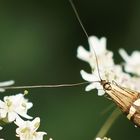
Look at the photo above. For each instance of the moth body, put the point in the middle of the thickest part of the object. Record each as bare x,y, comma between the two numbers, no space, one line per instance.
127,100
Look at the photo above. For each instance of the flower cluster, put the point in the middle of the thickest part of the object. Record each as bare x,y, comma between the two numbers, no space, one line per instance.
12,108
102,65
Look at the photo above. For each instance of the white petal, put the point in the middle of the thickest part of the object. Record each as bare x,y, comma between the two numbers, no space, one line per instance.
99,45
83,54
101,92
94,85
135,56
12,116
2,89
1,128
36,123
24,115
7,83
2,104
123,54
19,122
103,42
98,85
5,98
90,87
18,96
98,138
93,41
40,135
88,77
29,105
3,113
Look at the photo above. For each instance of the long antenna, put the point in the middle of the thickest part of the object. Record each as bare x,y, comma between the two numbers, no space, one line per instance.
62,85
84,30
45,86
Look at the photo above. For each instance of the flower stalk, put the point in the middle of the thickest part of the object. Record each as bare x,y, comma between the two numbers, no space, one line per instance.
108,123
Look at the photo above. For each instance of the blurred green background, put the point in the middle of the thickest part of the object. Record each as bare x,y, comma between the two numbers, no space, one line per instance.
38,44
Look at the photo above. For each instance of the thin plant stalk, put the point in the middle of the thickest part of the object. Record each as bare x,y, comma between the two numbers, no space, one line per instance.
109,122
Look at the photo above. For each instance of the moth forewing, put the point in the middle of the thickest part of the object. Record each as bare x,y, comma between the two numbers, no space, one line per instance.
127,100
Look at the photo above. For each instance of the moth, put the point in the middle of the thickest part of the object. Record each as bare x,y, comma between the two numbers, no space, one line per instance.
126,99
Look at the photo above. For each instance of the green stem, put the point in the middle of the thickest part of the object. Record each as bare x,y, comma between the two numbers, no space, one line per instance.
109,122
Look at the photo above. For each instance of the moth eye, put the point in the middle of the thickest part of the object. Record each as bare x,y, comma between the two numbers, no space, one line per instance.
107,86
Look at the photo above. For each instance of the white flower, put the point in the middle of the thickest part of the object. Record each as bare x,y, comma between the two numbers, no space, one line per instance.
97,46
132,64
13,106
27,130
107,69
114,73
4,84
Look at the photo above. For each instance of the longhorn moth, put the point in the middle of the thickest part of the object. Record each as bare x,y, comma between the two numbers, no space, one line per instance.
126,99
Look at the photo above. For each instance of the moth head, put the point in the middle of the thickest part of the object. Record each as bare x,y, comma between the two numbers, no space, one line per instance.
106,85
